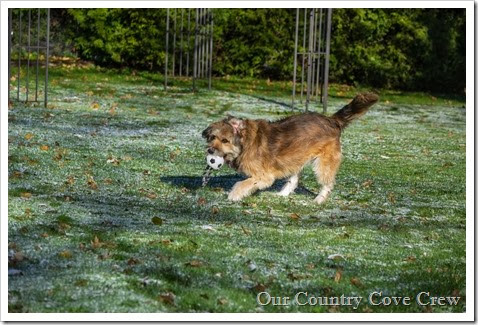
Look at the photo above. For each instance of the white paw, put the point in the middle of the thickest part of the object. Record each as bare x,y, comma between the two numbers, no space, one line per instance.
320,199
284,192
233,196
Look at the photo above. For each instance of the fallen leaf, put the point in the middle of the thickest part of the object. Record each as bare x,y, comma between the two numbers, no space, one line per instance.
26,195
338,275
336,257
151,195
260,287
410,259
157,221
214,210
356,282
166,241
294,216
367,183
246,230
167,297
66,254
222,301
91,183
194,263
95,243
44,148
133,261
94,105
201,201
28,136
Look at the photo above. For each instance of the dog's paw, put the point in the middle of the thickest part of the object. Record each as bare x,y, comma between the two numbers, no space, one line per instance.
284,193
234,196
320,199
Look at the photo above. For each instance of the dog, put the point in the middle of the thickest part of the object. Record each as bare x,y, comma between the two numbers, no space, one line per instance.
265,151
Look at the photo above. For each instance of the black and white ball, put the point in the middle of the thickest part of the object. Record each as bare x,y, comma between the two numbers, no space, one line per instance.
215,162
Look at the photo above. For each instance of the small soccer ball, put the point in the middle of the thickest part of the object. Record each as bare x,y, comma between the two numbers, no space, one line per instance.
215,162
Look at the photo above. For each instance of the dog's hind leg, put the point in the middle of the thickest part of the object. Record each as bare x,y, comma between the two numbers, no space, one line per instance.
290,185
246,187
326,168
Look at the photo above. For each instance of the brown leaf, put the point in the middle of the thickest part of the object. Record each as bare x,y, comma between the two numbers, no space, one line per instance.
222,301
95,243
108,181
246,230
28,136
151,195
338,275
260,287
194,263
356,282
94,106
66,254
214,210
70,180
367,183
133,261
202,201
294,216
91,183
391,197
167,298
44,148
166,241
410,259
26,195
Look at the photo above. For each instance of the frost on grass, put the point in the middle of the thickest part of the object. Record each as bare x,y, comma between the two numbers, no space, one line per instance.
89,174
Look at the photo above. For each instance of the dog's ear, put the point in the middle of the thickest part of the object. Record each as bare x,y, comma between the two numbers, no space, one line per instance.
237,124
207,132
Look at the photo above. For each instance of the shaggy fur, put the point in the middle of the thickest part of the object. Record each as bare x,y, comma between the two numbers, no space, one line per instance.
265,151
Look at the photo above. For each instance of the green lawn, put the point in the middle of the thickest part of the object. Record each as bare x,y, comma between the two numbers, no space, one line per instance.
107,214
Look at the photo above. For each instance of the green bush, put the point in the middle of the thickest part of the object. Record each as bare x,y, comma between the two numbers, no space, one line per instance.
419,49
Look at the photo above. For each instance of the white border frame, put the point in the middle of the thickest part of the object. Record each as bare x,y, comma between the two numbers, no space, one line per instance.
470,69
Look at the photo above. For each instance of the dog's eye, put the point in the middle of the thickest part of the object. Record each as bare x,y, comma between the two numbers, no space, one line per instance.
225,141
212,137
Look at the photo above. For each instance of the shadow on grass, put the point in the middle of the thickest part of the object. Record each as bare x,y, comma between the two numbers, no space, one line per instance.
226,182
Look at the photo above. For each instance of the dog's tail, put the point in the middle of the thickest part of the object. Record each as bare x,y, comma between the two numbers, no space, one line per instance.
356,108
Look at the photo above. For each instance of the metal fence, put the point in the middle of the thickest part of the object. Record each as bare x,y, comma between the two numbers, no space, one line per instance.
314,80
195,40
23,26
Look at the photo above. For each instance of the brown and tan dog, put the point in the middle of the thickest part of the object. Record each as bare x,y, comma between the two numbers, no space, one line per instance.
265,151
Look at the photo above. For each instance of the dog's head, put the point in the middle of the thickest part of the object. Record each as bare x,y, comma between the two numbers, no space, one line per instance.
224,138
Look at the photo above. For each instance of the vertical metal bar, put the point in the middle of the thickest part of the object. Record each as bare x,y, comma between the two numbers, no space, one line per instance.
167,50
188,42
319,49
210,49
200,45
19,51
181,45
195,50
38,54
28,54
206,41
303,55
314,54
9,50
309,57
47,55
327,56
174,41
295,55
203,38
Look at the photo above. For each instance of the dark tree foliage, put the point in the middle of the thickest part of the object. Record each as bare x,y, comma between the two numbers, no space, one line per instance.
413,49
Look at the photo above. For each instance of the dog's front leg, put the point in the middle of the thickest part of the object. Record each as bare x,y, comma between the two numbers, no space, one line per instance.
247,187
